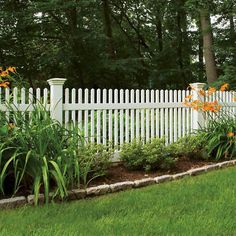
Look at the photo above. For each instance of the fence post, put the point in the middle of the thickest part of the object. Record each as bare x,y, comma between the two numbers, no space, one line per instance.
198,119
56,98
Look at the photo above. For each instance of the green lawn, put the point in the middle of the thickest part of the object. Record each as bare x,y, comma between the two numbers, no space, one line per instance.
202,205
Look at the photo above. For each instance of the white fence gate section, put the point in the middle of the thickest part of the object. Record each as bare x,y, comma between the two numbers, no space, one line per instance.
116,116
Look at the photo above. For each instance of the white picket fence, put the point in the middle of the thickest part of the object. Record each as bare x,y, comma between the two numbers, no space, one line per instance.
116,116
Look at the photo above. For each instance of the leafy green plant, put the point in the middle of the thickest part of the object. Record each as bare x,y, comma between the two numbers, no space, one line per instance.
94,160
220,137
191,146
150,156
39,155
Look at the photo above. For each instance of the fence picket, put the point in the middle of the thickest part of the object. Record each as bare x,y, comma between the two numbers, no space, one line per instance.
142,115
171,117
116,118
147,116
157,115
175,116
86,100
152,116
183,120
121,118
166,123
162,122
92,131
137,115
73,115
126,117
80,120
179,115
104,118
66,121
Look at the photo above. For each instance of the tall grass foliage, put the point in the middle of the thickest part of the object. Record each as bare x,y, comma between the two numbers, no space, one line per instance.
39,155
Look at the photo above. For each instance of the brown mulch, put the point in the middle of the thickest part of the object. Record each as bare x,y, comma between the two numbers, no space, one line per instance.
119,173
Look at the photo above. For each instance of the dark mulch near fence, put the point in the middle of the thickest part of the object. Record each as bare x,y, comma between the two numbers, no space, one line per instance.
119,173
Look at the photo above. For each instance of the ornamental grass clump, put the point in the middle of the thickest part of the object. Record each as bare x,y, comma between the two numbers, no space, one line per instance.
39,155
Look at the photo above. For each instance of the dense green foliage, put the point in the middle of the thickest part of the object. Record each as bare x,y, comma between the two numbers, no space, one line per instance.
41,156
149,156
220,137
110,43
192,147
203,205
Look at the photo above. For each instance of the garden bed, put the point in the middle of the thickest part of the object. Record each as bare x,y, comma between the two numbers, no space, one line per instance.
119,173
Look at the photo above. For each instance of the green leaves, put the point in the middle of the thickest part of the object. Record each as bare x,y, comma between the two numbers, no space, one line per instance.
41,156
219,144
150,156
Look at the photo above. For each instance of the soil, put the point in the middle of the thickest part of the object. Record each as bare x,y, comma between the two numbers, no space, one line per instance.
119,173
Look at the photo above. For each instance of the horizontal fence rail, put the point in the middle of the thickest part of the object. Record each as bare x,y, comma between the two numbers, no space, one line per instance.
115,116
119,116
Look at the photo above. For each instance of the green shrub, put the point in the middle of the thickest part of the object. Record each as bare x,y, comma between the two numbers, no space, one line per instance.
220,137
94,160
150,156
192,146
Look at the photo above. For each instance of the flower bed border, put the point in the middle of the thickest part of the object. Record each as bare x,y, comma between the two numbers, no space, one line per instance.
77,194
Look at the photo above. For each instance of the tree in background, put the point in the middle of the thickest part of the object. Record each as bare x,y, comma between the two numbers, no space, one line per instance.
120,43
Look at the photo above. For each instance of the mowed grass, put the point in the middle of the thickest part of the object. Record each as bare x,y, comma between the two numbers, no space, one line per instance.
202,205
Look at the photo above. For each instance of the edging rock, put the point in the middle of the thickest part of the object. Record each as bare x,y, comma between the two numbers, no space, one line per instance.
144,182
121,186
197,171
30,199
13,202
180,175
77,194
99,190
163,178
212,167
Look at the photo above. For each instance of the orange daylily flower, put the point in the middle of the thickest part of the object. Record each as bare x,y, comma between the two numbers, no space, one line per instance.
234,99
211,90
202,92
4,84
224,87
188,97
230,134
4,73
11,69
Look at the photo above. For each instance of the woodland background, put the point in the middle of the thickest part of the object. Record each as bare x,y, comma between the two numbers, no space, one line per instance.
120,43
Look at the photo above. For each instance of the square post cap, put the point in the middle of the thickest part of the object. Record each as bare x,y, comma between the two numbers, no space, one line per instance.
56,81
197,86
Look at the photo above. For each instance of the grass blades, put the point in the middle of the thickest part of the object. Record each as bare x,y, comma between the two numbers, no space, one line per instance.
203,205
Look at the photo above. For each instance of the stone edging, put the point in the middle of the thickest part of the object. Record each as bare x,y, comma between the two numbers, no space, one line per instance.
78,194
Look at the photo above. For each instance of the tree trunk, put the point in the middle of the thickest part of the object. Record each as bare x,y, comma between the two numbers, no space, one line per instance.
211,70
232,36
159,34
108,28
